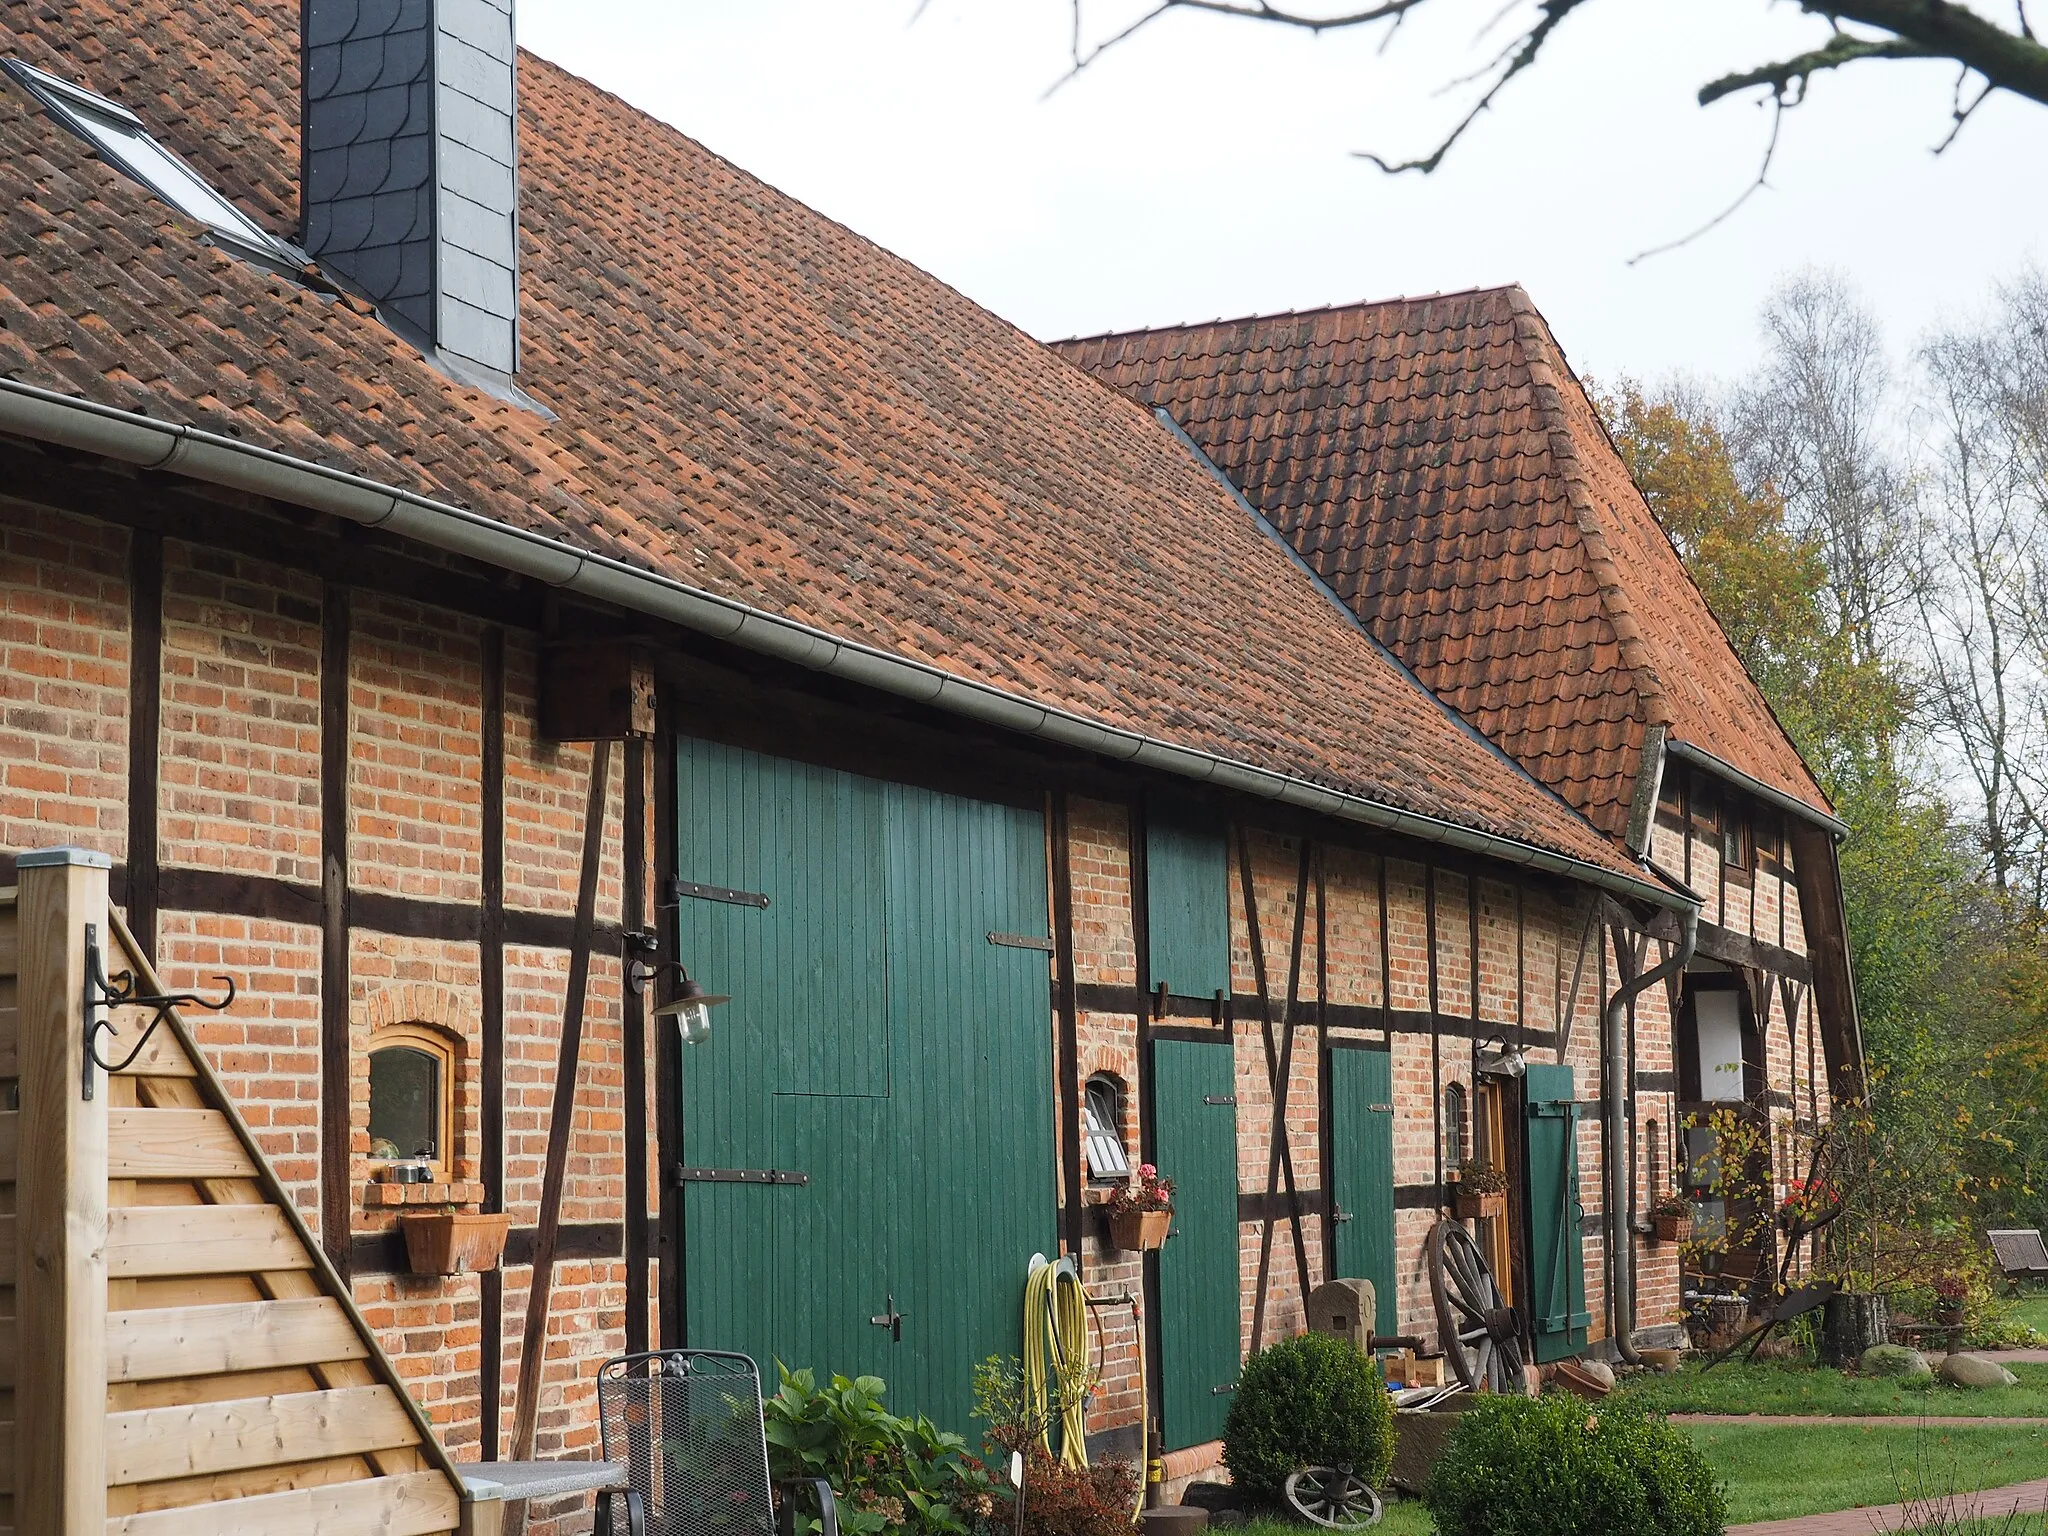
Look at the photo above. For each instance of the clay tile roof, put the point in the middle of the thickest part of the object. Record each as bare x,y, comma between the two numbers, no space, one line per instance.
1439,464
751,399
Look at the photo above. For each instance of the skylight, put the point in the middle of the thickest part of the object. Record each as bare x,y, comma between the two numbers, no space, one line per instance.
125,143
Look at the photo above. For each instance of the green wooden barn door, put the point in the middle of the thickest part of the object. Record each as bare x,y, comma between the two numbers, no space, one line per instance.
1362,1148
1557,1263
972,1173
797,1067
1194,1108
880,1046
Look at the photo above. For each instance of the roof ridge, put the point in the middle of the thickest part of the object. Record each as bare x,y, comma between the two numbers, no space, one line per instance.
1538,348
1346,307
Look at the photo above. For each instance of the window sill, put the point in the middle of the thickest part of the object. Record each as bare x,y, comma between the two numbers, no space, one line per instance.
380,1196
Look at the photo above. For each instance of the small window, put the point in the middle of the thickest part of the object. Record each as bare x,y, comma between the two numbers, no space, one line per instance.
124,143
412,1098
1734,837
1103,1115
1454,1125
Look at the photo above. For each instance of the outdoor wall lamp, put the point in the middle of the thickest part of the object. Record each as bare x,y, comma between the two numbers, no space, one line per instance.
1512,1063
691,1009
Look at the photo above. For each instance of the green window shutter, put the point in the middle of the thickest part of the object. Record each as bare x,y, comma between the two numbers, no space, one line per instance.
1194,1108
1557,1261
1187,905
1362,1144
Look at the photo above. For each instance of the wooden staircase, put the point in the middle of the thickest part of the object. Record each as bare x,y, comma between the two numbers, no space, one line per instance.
177,1356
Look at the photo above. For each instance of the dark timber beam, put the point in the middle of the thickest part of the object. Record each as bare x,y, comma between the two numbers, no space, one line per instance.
491,1056
568,1058
334,925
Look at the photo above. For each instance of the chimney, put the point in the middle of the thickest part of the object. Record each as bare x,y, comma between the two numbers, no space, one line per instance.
409,165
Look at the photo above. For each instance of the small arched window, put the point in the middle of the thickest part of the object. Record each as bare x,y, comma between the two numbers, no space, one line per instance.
1103,1117
412,1098
1454,1125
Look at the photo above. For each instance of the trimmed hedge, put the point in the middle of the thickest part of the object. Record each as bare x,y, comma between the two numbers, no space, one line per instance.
1559,1466
1312,1401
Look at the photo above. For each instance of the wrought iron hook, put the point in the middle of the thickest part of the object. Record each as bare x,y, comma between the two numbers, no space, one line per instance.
122,992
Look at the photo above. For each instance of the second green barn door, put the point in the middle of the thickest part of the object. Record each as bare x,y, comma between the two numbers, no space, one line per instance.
1194,1106
1557,1262
883,1062
1362,1148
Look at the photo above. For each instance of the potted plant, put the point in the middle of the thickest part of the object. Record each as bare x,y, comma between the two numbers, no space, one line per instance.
1482,1190
1141,1212
1671,1219
1950,1292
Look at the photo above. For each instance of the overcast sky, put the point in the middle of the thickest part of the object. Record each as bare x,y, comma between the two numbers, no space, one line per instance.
1206,168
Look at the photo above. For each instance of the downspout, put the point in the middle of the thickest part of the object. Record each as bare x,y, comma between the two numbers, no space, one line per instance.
1614,1165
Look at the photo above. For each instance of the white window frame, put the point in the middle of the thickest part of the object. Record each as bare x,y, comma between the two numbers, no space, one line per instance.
122,140
1109,1162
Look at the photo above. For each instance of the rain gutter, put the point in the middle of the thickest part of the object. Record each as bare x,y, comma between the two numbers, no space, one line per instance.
1686,752
132,438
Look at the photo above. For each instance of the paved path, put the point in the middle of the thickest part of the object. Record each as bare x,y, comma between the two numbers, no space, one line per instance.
2024,1356
1995,1503
1946,1421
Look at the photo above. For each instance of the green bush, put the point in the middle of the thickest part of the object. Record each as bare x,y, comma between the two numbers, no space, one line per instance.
1314,1401
886,1472
1558,1466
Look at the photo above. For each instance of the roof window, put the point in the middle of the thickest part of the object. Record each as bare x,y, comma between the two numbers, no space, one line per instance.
126,144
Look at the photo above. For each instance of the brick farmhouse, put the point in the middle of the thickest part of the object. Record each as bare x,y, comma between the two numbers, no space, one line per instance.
534,562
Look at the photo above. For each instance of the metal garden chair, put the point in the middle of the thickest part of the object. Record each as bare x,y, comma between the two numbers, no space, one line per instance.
688,1425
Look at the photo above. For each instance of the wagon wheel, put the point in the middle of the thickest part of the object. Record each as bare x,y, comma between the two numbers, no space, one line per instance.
1336,1498
1481,1333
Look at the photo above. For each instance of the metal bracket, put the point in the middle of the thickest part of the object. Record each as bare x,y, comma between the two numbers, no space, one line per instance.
122,992
1020,941
680,888
891,1320
740,1176
1219,1098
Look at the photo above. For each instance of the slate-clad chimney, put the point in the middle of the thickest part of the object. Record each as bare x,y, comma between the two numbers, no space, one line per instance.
409,164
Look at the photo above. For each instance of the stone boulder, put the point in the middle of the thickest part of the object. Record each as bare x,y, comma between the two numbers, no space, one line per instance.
1976,1371
1599,1370
1894,1360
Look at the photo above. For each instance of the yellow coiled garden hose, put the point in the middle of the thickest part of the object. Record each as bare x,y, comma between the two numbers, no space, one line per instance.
1056,1324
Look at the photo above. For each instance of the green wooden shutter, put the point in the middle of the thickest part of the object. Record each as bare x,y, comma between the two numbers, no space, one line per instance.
1194,1108
1187,905
1557,1261
1362,1146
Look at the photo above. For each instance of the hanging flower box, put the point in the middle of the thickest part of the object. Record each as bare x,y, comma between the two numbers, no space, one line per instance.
1140,1231
1478,1190
1141,1213
454,1242
1671,1220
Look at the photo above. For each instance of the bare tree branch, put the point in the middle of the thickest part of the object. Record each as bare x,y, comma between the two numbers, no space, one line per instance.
1763,171
1796,71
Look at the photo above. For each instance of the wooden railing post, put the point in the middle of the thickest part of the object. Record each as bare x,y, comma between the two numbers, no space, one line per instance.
60,1484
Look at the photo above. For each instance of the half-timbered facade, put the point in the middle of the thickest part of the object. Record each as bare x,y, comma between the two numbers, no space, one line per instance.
784,619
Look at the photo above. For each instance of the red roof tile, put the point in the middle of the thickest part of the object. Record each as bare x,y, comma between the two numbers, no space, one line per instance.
752,399
1440,465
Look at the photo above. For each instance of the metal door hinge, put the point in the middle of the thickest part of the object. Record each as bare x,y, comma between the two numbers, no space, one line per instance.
741,1176
1379,1109
1020,941
696,892
1219,1098
1224,1390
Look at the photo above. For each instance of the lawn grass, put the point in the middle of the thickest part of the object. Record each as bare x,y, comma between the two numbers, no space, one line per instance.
1778,1387
1773,1472
1776,1471
2031,1308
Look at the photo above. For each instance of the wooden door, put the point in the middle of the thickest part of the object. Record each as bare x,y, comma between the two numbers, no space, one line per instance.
1557,1266
1194,1107
1362,1175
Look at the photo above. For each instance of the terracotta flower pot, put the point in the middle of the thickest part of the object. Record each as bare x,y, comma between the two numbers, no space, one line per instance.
453,1242
1472,1207
1671,1229
1140,1231
1948,1317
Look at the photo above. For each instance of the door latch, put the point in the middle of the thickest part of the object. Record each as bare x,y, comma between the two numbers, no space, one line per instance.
1340,1214
891,1320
